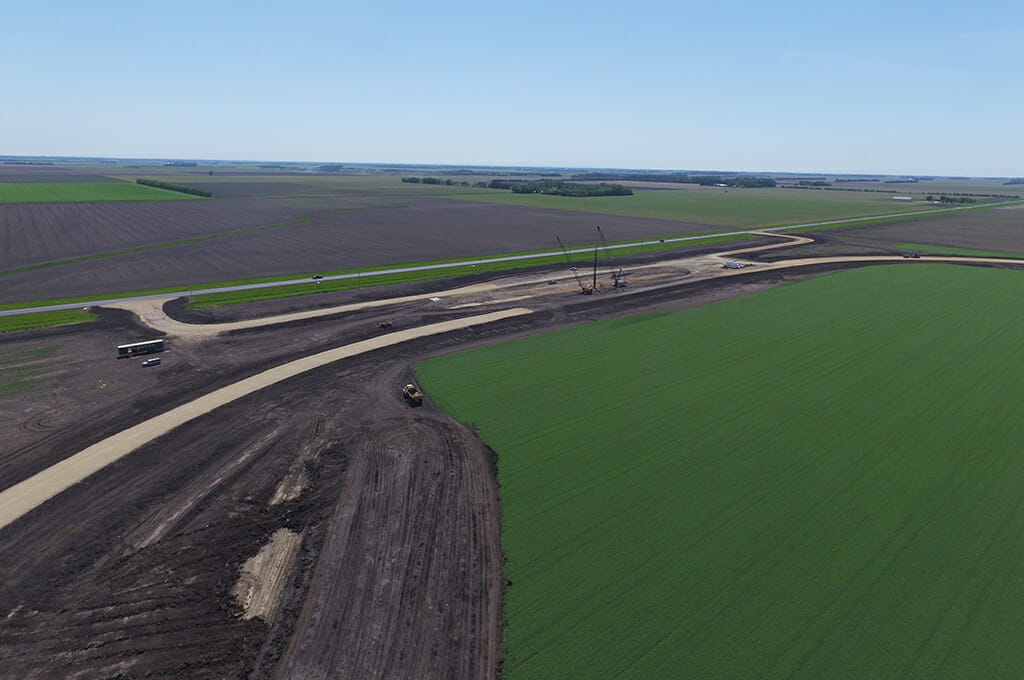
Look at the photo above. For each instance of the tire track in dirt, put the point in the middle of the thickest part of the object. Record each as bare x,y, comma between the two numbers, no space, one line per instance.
417,517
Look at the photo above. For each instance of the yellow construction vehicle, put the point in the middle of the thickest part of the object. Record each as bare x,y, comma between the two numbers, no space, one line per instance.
412,395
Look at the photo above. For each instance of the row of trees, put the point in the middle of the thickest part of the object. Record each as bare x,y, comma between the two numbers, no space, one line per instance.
442,182
180,188
560,188
950,199
677,178
930,197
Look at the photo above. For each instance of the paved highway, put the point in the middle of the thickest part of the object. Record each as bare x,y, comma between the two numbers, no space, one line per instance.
506,258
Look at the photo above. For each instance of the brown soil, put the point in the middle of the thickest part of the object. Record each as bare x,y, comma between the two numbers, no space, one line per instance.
348,235
996,229
32,234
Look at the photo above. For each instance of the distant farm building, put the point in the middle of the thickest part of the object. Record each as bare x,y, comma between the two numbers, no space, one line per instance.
902,198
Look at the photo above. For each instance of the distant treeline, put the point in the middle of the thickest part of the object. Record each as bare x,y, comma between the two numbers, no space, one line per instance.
904,180
950,199
814,183
747,181
678,178
889,191
1016,180
180,188
442,182
551,187
492,173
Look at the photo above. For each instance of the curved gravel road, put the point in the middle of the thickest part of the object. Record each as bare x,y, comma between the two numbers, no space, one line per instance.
36,490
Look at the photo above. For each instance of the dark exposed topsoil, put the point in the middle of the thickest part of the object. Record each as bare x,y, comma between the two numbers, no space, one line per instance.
175,243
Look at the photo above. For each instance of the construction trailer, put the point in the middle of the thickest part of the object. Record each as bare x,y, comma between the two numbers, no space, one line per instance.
136,348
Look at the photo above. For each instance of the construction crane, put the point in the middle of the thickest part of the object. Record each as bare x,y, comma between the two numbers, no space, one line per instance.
584,290
618,276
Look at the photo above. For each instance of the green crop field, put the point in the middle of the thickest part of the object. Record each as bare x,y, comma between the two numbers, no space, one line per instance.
822,480
716,206
61,317
83,192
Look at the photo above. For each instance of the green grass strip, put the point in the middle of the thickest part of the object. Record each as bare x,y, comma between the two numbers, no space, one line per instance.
582,260
84,192
61,317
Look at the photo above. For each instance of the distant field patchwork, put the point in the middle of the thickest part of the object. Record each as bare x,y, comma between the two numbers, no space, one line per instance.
717,206
83,192
821,480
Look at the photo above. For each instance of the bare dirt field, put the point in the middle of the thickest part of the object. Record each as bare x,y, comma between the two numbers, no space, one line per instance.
417,229
995,229
17,172
44,232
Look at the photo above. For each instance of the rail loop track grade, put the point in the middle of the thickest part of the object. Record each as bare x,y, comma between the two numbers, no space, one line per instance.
150,311
29,494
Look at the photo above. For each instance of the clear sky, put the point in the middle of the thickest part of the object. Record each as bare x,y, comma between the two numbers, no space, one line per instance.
891,87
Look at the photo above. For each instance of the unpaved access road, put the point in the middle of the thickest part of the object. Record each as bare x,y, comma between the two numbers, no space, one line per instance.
36,490
151,310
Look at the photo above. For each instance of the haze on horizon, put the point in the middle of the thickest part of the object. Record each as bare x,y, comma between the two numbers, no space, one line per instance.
912,88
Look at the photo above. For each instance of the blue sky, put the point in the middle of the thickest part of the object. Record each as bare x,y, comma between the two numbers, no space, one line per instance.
912,87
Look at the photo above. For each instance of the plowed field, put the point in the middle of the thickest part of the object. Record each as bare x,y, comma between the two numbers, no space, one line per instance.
417,230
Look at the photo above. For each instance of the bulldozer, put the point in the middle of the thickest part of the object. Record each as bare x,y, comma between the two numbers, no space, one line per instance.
412,395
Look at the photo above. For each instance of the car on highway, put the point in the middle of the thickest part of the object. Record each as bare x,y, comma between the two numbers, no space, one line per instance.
317,277
155,361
